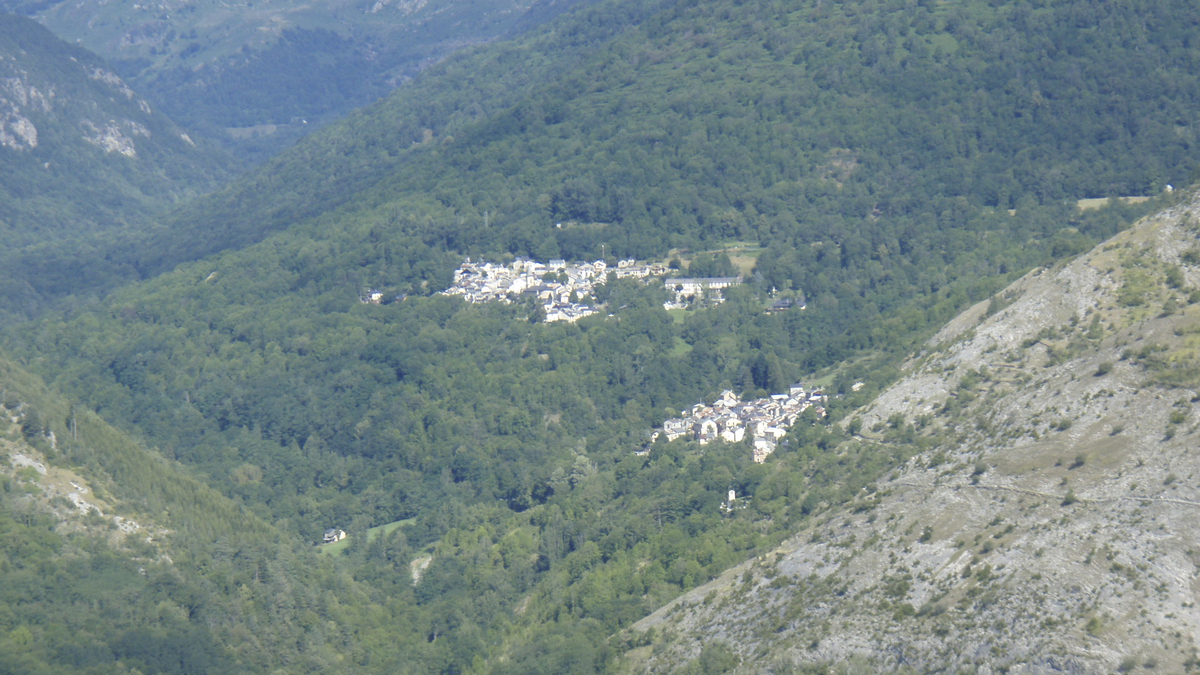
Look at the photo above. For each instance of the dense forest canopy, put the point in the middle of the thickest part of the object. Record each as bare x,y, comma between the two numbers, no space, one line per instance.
160,574
888,161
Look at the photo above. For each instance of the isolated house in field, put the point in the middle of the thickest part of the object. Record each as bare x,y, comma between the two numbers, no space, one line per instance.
333,536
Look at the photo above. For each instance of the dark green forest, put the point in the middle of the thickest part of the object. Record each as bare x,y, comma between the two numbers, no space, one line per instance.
180,595
893,162
829,144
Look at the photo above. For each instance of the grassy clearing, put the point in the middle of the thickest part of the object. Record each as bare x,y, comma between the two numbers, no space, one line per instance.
681,348
745,261
340,546
821,382
1097,202
743,254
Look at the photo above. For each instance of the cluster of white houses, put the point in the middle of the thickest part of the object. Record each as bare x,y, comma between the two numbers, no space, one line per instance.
689,290
559,286
765,420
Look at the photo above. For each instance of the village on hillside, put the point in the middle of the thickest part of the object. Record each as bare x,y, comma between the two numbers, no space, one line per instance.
557,285
561,287
765,419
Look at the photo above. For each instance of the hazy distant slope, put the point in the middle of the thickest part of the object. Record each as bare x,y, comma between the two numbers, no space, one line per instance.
79,145
262,69
80,154
1050,526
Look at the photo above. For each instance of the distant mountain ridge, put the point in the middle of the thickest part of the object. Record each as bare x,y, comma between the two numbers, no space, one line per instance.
81,154
261,74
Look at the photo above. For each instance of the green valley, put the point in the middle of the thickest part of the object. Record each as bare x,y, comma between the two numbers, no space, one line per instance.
287,350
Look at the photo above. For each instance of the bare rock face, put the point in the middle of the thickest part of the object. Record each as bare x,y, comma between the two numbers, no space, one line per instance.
29,97
57,102
63,493
17,97
114,136
1051,527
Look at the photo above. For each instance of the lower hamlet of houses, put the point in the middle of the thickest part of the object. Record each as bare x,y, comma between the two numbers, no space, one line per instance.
765,420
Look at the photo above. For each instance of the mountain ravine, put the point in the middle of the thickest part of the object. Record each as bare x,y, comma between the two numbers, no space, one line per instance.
1051,526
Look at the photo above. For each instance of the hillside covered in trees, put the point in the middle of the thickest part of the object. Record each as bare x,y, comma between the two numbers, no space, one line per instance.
114,560
890,161
82,155
829,143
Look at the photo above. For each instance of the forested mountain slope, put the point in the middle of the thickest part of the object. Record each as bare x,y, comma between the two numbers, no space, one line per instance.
81,155
871,152
261,74
114,560
1049,526
508,446
337,166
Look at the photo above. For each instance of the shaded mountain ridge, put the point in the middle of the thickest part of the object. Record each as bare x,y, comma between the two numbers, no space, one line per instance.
81,155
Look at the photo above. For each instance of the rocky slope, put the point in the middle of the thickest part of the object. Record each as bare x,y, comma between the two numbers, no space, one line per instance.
1052,525
79,505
